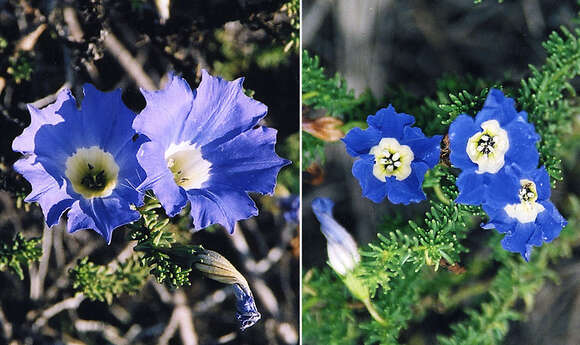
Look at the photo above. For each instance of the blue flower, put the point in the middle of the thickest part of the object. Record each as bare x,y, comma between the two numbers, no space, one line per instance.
291,207
481,147
83,160
394,157
521,209
343,253
205,148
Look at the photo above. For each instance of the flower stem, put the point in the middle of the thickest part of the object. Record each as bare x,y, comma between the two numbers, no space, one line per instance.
374,313
440,195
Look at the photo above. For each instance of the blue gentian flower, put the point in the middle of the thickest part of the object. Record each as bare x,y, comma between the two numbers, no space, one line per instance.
521,208
205,147
480,147
394,157
83,160
343,253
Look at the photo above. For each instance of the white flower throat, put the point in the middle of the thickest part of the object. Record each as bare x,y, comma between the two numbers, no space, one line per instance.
528,209
391,159
186,162
92,172
487,148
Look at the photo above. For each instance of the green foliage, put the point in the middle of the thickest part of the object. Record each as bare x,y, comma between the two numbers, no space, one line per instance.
100,283
516,280
288,176
312,150
321,92
454,96
238,58
327,316
170,262
20,67
445,224
292,9
542,95
18,251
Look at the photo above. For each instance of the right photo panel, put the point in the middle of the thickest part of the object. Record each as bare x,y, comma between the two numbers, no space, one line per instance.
440,165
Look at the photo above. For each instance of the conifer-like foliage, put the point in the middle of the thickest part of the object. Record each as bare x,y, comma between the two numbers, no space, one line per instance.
17,252
425,264
99,283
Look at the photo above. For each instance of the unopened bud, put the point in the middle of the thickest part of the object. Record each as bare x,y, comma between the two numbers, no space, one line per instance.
343,253
214,266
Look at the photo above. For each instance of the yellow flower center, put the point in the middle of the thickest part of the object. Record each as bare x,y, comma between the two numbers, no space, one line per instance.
186,162
488,147
392,159
92,172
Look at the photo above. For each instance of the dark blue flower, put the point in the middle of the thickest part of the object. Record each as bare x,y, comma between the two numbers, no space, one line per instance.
343,253
519,206
205,147
291,207
83,160
480,147
394,157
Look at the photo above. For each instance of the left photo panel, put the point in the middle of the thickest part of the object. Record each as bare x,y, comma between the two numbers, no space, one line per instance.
149,172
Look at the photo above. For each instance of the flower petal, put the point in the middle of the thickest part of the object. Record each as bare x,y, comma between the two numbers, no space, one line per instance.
410,189
160,179
250,162
472,188
372,188
462,128
390,123
359,142
25,143
424,149
522,150
105,119
498,219
220,205
100,214
518,240
550,222
502,187
166,110
497,107
220,111
53,199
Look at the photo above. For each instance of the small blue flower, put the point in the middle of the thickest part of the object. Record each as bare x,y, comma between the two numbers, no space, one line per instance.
521,208
343,253
394,157
291,207
83,160
205,148
481,147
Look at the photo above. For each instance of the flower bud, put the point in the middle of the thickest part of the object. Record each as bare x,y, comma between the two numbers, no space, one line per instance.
343,253
214,266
